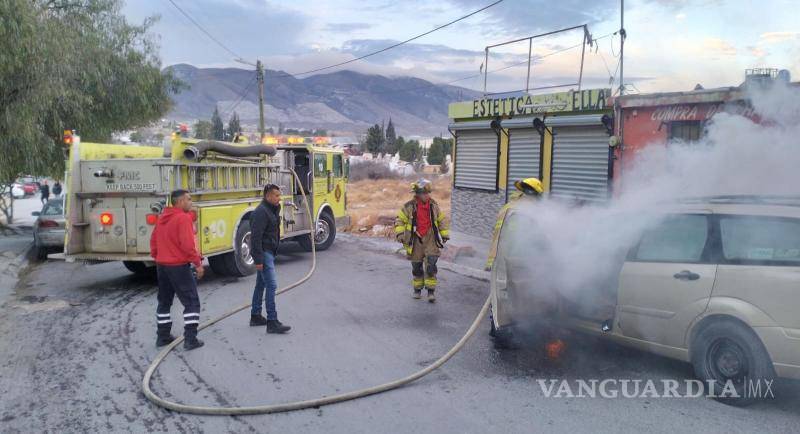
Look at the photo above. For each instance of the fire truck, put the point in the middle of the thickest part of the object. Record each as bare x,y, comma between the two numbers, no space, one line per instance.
116,192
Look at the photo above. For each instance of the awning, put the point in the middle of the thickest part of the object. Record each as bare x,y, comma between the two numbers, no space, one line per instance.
525,122
474,125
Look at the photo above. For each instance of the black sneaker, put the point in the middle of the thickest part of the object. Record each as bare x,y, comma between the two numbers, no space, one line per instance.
164,340
431,296
257,320
275,326
190,344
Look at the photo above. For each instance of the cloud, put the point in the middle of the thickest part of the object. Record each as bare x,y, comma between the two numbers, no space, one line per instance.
779,37
718,46
346,27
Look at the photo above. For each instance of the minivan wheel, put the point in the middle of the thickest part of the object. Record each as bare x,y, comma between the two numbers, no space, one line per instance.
731,353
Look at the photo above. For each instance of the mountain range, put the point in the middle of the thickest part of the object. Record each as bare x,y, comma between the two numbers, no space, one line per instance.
345,102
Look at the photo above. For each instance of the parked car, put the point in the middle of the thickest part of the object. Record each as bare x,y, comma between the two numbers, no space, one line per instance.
16,191
715,282
48,229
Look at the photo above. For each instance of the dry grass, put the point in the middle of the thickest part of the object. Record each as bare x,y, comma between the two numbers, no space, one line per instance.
374,203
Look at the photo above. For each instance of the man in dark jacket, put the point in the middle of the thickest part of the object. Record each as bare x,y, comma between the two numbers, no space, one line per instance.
174,249
44,189
265,226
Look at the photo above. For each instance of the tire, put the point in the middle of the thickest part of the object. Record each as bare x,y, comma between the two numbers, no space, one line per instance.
239,262
41,253
140,268
324,235
218,264
726,350
503,339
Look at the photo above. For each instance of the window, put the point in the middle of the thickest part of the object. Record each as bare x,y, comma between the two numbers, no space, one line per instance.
760,240
679,238
53,208
320,165
687,131
337,166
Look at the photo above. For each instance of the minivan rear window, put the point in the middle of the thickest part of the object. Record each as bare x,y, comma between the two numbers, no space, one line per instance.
678,238
754,240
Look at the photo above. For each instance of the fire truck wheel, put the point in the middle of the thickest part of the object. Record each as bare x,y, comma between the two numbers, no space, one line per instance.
139,268
239,263
218,265
326,233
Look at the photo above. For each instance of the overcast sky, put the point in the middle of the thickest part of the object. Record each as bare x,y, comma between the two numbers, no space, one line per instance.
671,45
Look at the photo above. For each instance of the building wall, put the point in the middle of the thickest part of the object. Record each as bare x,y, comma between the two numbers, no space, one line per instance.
474,212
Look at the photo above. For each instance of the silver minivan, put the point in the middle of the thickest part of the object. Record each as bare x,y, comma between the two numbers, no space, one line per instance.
713,281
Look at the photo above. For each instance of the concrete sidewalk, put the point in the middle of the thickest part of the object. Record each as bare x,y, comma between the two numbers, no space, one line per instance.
463,254
13,259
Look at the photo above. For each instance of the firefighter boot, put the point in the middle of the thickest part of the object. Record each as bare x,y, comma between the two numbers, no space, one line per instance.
190,340
275,326
164,337
417,282
431,296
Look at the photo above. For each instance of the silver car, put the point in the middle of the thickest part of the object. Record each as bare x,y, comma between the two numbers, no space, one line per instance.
48,230
714,282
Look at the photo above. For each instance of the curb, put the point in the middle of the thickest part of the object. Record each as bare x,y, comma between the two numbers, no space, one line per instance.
385,246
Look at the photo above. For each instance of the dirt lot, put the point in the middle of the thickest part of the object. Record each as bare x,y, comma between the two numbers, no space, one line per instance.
373,204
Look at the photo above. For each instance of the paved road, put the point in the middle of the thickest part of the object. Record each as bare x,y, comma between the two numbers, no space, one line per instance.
75,340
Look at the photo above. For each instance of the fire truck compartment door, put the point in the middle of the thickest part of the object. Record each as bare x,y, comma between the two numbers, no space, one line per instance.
216,229
109,237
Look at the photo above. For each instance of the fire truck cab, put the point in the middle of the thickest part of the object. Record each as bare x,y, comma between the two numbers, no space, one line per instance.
115,194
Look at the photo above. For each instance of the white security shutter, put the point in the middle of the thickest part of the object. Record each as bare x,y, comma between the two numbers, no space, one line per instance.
523,155
476,159
580,162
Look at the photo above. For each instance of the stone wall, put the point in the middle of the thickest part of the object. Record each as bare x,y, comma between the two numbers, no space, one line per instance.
475,212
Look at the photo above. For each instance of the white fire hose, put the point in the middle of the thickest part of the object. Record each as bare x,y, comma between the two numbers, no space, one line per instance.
297,405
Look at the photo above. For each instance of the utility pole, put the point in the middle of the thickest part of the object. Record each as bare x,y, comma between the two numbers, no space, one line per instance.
621,47
260,78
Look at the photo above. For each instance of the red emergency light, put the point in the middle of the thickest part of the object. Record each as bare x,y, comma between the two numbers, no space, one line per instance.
106,219
152,219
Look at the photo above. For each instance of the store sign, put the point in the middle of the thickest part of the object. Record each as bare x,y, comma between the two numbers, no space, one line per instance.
698,112
571,101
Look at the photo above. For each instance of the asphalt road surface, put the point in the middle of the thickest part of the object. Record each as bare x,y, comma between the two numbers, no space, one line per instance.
76,339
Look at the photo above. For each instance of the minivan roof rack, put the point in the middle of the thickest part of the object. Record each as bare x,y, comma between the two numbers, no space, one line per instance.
782,200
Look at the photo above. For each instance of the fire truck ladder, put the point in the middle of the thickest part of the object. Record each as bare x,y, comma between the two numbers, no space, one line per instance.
240,175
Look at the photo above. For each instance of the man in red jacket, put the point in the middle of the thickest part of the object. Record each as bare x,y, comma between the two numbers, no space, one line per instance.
174,249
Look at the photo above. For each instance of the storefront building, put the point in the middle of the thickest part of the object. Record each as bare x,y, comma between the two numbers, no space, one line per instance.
560,138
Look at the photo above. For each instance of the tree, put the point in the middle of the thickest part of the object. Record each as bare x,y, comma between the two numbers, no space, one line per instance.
217,128
106,77
390,146
137,137
203,130
446,144
435,153
411,151
234,127
375,139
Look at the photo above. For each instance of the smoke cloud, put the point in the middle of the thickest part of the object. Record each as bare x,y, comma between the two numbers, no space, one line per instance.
555,248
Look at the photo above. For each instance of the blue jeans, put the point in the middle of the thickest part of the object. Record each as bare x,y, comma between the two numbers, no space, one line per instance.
266,279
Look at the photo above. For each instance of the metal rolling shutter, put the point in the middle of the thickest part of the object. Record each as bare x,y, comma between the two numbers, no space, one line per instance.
523,155
580,162
476,159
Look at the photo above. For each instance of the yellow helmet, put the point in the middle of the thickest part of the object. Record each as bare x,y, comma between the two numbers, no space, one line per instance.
421,186
530,186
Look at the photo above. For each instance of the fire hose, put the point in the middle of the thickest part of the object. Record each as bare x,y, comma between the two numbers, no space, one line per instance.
297,405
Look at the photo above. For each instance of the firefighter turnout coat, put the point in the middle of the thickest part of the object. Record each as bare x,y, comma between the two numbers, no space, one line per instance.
405,225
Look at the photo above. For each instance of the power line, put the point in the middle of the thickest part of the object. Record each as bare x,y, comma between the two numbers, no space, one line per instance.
394,45
202,29
241,98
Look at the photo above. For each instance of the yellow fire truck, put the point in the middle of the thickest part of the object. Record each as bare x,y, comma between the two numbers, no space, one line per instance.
115,193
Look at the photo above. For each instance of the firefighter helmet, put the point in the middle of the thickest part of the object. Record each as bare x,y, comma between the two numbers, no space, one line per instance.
530,186
421,186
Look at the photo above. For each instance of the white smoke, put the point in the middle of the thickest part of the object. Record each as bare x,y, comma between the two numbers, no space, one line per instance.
576,251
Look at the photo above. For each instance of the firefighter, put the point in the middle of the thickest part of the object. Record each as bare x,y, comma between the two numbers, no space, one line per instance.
423,229
173,247
531,189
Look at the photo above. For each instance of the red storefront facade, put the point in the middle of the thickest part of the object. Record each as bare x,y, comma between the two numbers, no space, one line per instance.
655,119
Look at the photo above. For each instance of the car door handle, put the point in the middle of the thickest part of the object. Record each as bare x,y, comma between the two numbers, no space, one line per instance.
686,275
